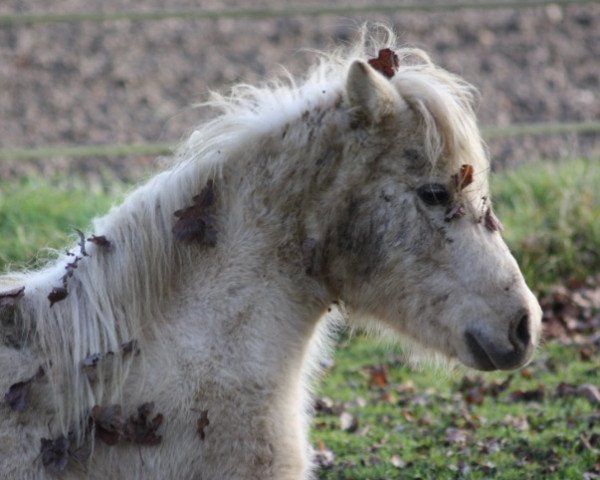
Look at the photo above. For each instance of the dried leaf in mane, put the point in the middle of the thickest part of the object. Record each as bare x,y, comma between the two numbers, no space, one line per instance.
196,223
70,268
202,423
82,243
55,453
57,294
99,240
130,348
140,429
464,178
17,395
90,363
491,222
11,297
386,63
108,422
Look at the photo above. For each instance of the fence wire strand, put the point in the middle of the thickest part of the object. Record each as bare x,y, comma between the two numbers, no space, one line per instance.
155,149
28,19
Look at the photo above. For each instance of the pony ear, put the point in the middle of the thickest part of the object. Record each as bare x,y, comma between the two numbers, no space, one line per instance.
371,93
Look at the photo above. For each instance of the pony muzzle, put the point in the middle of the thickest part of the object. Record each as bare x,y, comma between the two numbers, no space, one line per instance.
514,352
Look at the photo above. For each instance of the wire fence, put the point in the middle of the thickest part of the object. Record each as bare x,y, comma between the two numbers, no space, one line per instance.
153,149
298,10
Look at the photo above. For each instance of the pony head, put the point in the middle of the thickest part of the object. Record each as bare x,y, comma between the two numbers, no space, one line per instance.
414,242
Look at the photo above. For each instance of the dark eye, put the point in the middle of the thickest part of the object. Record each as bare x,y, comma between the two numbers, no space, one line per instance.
434,194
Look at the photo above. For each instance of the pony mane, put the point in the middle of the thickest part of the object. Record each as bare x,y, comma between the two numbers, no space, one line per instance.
114,290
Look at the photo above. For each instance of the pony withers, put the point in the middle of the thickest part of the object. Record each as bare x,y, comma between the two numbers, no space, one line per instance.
180,339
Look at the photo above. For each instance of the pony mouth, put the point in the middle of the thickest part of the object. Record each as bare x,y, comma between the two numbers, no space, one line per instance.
482,359
487,356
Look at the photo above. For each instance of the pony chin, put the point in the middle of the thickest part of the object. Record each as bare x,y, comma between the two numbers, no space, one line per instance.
413,353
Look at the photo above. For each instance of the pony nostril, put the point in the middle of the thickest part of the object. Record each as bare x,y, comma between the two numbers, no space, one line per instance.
520,335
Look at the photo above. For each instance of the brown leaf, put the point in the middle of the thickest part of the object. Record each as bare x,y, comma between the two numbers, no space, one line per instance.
586,353
82,243
475,396
526,373
18,393
141,429
197,223
386,63
535,395
323,457
57,294
497,387
587,390
202,423
108,423
590,392
99,240
55,453
130,348
464,177
326,406
11,297
378,376
491,222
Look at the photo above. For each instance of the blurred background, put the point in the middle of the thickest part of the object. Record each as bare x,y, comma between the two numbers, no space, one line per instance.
84,81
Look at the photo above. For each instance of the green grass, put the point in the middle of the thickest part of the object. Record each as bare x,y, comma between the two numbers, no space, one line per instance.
38,215
421,418
415,416
552,217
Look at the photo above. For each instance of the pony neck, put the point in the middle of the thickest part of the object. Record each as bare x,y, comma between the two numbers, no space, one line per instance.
250,293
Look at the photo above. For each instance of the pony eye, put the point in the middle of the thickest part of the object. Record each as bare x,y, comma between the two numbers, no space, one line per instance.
434,194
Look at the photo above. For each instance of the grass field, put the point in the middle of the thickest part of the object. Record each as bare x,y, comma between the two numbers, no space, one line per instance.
552,217
379,419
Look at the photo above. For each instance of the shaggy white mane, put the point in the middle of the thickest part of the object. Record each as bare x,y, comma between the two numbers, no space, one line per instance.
111,298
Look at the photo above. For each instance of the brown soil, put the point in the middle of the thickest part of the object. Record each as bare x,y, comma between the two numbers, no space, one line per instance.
124,81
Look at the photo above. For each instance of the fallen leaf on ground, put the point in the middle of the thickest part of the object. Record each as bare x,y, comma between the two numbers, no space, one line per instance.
397,462
535,395
457,436
517,422
588,391
348,422
378,376
323,457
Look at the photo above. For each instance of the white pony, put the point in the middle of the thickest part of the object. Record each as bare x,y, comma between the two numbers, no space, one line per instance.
180,340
